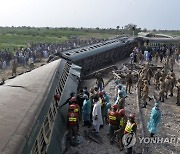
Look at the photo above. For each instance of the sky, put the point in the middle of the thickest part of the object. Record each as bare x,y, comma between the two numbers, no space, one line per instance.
150,14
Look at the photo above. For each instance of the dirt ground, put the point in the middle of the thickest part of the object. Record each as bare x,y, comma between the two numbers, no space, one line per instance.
7,73
169,126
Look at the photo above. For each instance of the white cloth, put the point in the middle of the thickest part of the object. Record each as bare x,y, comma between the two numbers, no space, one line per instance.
97,111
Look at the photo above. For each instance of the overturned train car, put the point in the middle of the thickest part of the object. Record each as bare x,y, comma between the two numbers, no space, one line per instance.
99,55
31,121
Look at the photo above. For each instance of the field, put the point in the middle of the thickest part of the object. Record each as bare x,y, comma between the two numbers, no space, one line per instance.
16,37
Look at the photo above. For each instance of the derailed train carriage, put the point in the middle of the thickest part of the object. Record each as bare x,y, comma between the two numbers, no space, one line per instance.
30,120
99,55
159,42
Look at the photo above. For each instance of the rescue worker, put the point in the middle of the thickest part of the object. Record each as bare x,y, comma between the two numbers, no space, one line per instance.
162,89
149,75
172,83
102,103
77,109
140,85
86,111
122,124
145,93
129,81
97,115
154,120
130,128
156,57
163,74
113,119
14,67
73,122
167,85
178,93
157,75
121,101
171,63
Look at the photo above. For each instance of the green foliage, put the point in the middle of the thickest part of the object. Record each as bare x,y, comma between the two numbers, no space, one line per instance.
16,37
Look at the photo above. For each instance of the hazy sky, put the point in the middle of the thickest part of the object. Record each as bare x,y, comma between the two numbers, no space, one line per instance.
150,14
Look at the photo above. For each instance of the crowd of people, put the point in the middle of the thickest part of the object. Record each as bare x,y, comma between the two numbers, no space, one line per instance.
35,52
95,109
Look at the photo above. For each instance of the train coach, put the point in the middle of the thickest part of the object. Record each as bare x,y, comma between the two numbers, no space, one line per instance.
31,121
158,40
99,55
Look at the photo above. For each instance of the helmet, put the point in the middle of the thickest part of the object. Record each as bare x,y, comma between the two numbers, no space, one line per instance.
73,99
72,107
115,106
132,116
101,93
122,112
57,97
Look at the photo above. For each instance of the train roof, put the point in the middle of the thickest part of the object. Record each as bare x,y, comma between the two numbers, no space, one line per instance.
156,40
21,100
84,52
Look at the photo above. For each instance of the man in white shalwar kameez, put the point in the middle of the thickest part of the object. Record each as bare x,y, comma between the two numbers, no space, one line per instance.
96,115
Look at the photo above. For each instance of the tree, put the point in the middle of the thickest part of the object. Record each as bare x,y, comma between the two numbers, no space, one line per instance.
130,27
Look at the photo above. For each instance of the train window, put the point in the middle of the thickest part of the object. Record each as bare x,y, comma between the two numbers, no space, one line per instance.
47,128
77,51
68,54
35,148
54,109
42,142
51,116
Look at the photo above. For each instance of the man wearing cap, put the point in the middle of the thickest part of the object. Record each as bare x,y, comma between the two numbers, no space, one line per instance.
73,122
122,124
130,128
129,81
113,119
154,120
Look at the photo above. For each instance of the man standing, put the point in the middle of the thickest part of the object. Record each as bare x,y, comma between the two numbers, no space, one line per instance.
122,124
100,83
14,67
97,115
129,80
73,124
130,128
113,119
